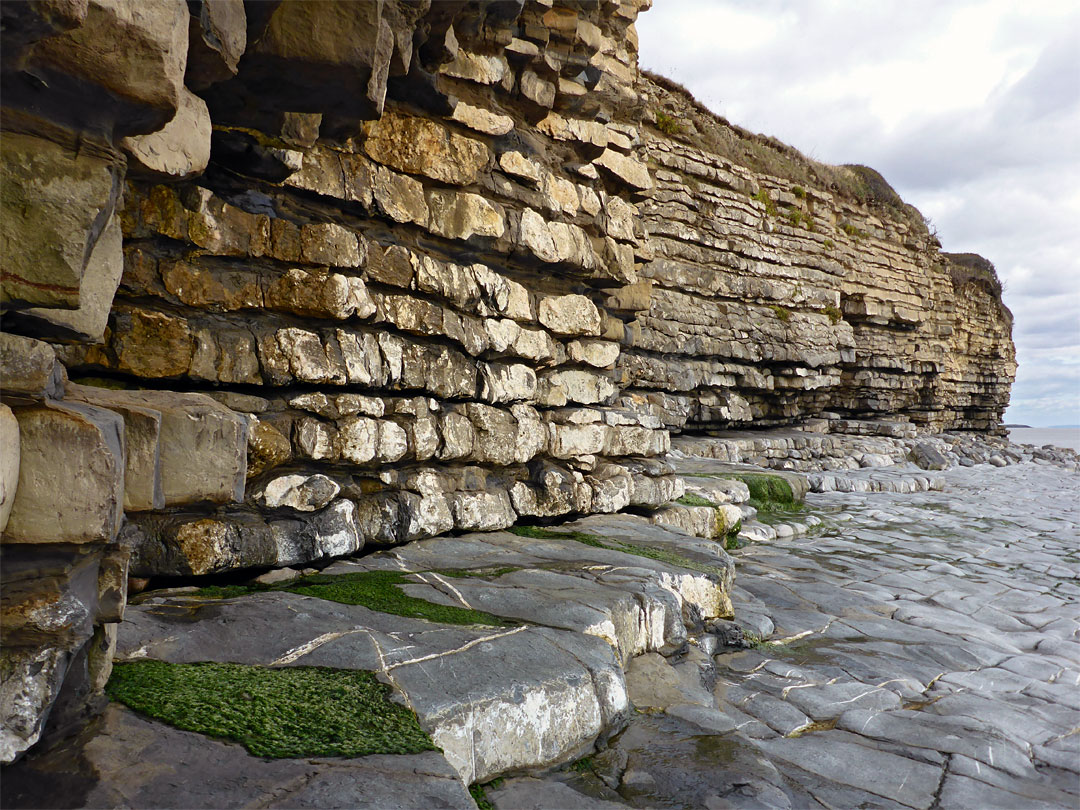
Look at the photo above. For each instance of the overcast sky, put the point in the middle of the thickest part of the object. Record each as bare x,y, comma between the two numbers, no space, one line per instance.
969,108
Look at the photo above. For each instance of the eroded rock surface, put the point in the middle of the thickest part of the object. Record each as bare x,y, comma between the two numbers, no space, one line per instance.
287,281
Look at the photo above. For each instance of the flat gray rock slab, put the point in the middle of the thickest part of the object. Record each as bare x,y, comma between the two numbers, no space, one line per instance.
125,760
538,794
936,630
903,780
493,698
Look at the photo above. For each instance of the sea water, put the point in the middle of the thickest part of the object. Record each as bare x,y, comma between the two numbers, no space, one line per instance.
1059,437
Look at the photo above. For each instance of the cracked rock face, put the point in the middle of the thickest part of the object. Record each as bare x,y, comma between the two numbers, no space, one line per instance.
284,281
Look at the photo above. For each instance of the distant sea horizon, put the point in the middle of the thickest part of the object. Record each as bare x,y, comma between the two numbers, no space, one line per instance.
1058,435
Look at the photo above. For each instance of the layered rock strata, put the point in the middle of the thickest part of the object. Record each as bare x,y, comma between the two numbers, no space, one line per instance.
782,288
284,281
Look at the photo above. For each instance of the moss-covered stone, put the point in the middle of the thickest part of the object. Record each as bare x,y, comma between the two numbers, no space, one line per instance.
689,499
286,712
769,493
375,590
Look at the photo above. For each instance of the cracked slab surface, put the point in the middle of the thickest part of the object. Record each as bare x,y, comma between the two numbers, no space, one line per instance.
922,650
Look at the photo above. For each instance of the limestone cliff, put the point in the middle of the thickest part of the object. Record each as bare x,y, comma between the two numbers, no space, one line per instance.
286,280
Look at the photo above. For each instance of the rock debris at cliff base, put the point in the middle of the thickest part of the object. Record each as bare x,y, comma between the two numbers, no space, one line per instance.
288,282
914,649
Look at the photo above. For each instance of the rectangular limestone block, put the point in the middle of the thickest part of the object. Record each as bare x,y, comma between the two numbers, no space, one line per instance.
203,445
142,430
125,64
54,204
96,291
9,462
71,475
28,367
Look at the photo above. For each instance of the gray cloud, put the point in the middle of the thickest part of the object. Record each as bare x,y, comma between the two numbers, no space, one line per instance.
970,108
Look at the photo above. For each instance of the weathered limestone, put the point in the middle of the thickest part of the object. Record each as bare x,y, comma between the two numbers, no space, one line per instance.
181,148
76,450
442,274
56,203
9,462
420,146
29,367
96,290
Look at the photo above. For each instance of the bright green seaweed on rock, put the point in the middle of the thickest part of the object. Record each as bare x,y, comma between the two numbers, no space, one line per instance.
273,712
769,493
375,590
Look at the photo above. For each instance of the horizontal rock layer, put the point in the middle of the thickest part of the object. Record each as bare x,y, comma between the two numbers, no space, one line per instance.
285,281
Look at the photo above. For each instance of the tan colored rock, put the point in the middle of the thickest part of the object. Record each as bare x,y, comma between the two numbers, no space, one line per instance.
555,242
142,442
636,297
331,244
268,447
506,382
632,172
596,353
29,367
482,120
152,344
561,193
217,38
129,57
569,315
320,294
9,462
476,68
202,287
54,203
181,148
421,146
539,91
309,359
203,444
574,129
96,291
71,475
460,215
516,164
572,441
400,197
619,217
581,386
304,493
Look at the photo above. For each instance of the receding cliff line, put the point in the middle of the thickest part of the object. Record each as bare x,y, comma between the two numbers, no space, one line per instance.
284,281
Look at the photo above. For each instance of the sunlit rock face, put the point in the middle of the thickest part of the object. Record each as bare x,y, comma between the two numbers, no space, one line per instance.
285,281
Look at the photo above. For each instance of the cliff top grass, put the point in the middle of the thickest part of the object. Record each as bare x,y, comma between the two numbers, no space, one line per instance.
769,155
965,268
375,590
286,712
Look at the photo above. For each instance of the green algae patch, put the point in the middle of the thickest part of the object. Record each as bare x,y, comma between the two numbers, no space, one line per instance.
768,493
286,712
375,590
468,573
648,552
689,499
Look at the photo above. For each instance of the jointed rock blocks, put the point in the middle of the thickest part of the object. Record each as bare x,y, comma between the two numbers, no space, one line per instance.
285,281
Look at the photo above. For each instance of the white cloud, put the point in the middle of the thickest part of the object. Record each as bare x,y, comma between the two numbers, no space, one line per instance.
970,108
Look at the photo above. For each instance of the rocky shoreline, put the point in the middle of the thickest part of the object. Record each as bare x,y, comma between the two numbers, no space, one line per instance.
390,391
877,648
